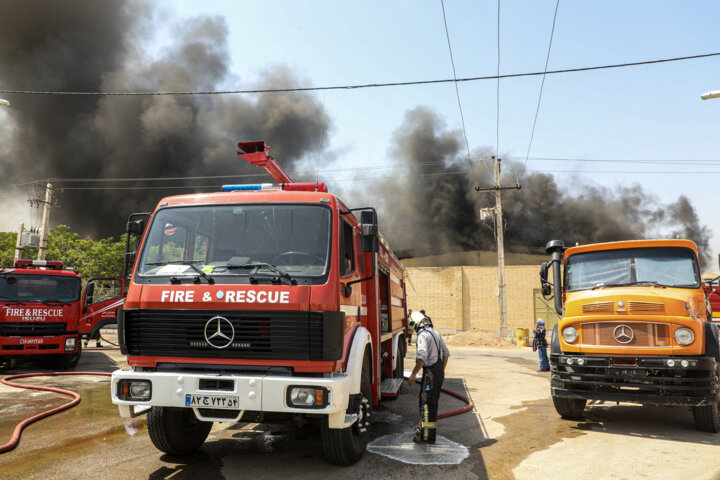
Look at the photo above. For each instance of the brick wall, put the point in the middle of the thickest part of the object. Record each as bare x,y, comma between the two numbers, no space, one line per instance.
462,298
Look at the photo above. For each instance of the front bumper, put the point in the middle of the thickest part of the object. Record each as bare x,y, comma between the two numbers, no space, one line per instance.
10,346
644,380
258,393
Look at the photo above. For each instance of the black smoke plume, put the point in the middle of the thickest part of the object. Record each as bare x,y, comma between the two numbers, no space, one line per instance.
434,208
86,45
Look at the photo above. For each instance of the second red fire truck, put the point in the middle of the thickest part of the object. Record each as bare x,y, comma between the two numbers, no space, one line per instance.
261,303
44,311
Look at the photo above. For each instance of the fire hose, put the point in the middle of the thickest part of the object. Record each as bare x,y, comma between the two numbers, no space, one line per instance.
75,396
20,426
451,413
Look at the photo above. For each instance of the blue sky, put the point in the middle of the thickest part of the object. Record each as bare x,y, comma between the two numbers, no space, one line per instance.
638,113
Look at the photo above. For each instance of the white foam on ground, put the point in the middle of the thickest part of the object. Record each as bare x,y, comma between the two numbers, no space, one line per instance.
400,447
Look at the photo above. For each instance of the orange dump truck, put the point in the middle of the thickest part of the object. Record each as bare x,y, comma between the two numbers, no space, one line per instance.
635,326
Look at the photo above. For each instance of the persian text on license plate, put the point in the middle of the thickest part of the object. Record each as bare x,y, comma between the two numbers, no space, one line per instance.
628,372
211,401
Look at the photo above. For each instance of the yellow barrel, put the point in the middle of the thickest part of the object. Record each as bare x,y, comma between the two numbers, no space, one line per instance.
523,337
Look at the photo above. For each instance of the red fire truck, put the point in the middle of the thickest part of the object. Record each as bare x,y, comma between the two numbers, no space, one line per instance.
261,303
42,313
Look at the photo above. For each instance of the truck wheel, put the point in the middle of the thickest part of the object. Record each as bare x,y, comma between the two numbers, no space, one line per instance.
569,408
707,417
345,446
176,430
69,361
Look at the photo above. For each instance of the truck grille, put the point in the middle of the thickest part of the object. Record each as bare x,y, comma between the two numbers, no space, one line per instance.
644,334
32,329
597,307
258,334
650,307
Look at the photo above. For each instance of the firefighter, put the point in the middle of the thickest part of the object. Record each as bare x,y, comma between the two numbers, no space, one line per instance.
432,357
95,335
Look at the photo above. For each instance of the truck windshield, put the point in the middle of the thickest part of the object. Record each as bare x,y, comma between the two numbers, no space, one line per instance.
660,266
39,288
245,240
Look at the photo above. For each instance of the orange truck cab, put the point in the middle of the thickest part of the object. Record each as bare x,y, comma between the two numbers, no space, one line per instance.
261,303
42,313
635,326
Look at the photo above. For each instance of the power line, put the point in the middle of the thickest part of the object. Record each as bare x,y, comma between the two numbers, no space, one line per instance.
692,162
394,177
542,84
457,90
366,85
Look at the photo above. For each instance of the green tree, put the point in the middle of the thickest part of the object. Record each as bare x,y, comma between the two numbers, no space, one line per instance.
90,258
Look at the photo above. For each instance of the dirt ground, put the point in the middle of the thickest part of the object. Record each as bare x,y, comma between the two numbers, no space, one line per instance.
513,432
479,338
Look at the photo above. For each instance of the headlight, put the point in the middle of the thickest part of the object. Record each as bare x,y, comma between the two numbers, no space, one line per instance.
570,334
70,344
307,397
140,390
684,336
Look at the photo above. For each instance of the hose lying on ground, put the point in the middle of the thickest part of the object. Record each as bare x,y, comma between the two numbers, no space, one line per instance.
20,426
451,413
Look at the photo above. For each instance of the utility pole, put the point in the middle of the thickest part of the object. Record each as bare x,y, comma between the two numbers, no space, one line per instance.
500,237
18,244
45,222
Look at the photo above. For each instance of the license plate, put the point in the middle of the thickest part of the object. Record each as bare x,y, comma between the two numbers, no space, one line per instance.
212,401
628,372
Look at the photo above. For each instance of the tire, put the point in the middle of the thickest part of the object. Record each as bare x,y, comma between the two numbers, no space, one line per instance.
707,417
176,430
345,446
569,408
68,361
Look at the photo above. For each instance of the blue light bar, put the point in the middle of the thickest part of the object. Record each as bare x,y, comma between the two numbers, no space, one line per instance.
251,187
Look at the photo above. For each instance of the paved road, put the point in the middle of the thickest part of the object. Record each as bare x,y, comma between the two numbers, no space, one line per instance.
513,433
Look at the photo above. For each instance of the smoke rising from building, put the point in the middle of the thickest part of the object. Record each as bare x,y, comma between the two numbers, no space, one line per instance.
85,45
435,208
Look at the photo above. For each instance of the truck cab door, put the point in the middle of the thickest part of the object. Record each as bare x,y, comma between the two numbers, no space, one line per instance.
102,298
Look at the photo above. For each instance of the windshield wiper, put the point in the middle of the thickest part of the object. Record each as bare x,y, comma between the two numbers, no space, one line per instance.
629,284
269,266
55,302
207,277
191,264
12,300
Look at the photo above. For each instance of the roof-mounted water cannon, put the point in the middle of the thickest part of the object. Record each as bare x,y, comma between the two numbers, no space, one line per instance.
258,153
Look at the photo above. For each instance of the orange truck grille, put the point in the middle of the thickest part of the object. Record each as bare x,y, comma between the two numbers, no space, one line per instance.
646,334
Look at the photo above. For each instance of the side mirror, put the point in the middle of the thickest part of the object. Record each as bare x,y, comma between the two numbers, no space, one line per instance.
546,289
543,272
89,291
136,227
369,226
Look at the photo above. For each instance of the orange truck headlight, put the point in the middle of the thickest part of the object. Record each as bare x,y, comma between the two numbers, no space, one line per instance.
684,336
570,335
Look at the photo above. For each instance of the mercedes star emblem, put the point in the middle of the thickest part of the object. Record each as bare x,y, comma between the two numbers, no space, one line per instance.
623,334
219,332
